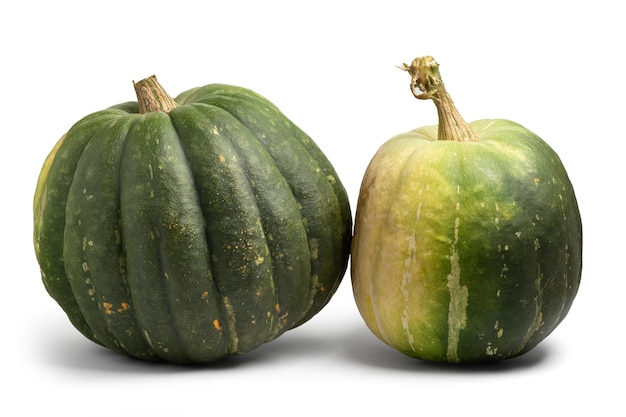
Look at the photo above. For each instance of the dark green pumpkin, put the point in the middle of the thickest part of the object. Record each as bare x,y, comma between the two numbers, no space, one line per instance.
193,229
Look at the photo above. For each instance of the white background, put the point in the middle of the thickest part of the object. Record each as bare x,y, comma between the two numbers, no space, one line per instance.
555,67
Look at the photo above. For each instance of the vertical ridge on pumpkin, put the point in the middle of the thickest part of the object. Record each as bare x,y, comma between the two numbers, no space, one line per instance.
537,321
98,280
167,257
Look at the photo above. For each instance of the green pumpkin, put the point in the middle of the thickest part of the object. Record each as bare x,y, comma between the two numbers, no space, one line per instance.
191,229
468,239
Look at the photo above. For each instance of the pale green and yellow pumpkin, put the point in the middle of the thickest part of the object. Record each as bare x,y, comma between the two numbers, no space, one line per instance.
468,238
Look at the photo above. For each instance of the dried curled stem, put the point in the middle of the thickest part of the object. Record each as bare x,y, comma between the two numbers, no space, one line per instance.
426,84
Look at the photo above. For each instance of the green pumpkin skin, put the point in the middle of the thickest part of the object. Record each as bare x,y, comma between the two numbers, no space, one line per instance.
190,235
466,251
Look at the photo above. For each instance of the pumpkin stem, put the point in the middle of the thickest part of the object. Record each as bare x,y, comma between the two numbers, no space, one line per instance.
425,76
152,97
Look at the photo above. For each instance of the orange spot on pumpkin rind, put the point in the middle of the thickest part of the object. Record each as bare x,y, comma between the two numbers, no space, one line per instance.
108,307
216,324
